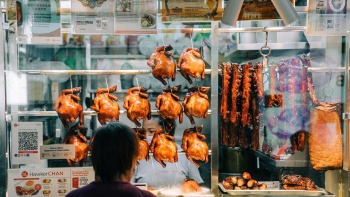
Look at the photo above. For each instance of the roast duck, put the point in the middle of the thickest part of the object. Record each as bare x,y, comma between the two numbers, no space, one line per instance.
196,103
190,186
162,64
105,104
68,107
168,104
75,137
194,145
163,147
137,105
143,145
191,64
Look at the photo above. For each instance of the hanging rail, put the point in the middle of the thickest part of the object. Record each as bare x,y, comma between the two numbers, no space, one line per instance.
235,29
92,72
88,113
134,72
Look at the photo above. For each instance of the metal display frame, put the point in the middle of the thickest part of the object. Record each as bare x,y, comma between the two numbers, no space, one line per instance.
214,72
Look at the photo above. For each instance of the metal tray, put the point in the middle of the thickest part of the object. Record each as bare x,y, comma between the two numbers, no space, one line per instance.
274,191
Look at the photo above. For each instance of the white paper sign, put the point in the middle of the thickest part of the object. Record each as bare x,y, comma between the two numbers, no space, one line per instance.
328,18
94,17
38,22
57,151
26,140
135,17
46,181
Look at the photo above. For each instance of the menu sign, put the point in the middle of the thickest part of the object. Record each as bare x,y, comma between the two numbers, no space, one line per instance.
135,17
47,181
191,10
328,18
38,22
92,17
26,140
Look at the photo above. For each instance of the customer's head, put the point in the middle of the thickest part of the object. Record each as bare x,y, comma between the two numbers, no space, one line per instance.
114,152
157,122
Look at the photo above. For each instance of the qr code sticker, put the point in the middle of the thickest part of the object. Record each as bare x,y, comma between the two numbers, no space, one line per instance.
330,24
83,181
98,23
27,140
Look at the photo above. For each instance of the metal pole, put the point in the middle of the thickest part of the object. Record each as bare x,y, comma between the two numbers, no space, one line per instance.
214,109
3,159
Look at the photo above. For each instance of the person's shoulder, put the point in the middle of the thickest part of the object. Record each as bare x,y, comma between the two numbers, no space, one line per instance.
146,193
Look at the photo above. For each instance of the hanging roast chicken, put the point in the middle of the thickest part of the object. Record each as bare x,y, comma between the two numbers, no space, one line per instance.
168,104
105,104
137,105
194,145
191,64
75,137
68,107
163,66
163,147
196,103
143,145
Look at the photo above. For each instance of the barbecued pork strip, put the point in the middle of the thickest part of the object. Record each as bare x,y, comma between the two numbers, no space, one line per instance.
246,93
226,76
236,81
233,133
224,134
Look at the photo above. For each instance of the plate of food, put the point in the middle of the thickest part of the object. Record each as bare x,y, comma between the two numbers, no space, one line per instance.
29,187
148,21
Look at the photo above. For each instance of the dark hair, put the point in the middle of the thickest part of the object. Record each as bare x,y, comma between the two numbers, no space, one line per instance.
113,149
169,125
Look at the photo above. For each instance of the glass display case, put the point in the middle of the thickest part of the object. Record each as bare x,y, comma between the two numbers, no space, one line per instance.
283,119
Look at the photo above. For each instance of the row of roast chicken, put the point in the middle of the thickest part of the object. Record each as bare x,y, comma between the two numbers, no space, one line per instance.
162,145
136,103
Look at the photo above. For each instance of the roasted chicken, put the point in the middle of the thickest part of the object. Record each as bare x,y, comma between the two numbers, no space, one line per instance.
162,64
191,64
196,103
195,147
168,105
106,106
190,185
137,105
68,107
75,137
163,147
143,145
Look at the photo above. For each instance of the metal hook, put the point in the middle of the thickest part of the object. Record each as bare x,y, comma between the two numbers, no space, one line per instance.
71,83
328,90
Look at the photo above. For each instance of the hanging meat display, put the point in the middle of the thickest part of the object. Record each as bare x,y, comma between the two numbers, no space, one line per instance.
106,106
68,107
196,103
143,145
285,106
191,64
162,64
168,104
75,137
137,105
194,145
163,147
